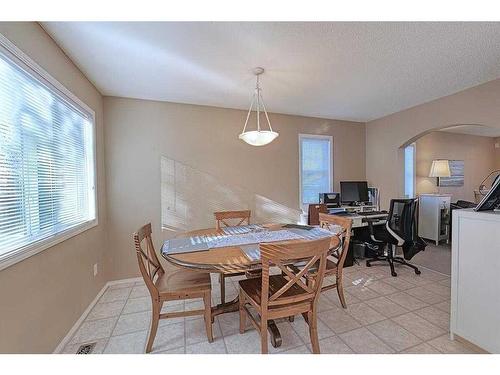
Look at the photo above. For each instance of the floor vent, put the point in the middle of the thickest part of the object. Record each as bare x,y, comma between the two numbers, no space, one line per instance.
86,349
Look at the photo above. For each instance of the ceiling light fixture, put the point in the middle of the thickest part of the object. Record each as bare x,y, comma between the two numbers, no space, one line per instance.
258,137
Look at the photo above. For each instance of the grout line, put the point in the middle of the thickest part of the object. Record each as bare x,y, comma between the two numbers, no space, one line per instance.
114,326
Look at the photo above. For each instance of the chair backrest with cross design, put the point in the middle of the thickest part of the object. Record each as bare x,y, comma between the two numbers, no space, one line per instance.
150,266
283,255
326,221
232,218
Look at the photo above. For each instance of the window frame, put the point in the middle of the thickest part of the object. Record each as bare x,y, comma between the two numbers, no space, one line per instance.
54,86
413,146
303,206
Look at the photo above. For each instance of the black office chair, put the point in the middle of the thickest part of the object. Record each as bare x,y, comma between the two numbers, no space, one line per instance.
400,230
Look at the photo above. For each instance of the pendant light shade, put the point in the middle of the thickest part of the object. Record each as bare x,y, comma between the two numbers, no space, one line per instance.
258,137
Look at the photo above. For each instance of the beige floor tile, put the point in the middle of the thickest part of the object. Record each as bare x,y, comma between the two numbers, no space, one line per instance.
289,338
246,343
394,335
205,347
98,348
134,305
338,320
444,306
362,293
418,326
325,304
334,297
169,307
94,330
363,341
386,307
437,288
381,287
334,345
446,282
447,346
423,348
132,322
405,300
129,343
302,328
111,295
399,283
425,295
230,323
435,316
106,310
364,314
139,291
298,350
169,337
196,332
179,350
122,285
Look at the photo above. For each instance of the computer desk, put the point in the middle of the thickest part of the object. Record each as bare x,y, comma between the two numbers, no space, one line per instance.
360,231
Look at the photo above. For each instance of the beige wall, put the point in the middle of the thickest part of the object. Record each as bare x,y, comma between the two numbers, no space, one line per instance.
42,296
497,153
478,154
384,163
138,133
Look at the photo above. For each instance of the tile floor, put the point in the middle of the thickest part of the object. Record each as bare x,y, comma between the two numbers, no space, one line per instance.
407,314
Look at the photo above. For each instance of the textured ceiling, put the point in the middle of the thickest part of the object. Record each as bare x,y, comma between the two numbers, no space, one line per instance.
352,71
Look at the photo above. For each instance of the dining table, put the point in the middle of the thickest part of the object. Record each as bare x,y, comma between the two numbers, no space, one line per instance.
233,250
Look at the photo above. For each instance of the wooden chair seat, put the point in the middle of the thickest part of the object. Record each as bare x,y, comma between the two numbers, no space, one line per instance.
180,281
170,284
285,295
253,288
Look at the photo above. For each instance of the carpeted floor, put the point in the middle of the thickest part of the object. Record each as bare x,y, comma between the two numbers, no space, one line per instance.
436,258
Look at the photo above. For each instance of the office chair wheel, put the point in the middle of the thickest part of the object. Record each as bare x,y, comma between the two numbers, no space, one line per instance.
417,272
394,274
368,264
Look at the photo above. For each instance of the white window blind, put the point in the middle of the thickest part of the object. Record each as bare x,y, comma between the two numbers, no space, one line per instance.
410,171
315,167
46,160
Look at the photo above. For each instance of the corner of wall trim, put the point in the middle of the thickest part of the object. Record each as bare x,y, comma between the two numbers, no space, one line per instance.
80,320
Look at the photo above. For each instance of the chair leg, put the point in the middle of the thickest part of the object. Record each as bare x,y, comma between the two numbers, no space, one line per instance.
207,299
222,281
243,313
263,336
313,331
154,324
340,291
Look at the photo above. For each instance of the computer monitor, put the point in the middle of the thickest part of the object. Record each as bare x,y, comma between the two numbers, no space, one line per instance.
491,201
354,192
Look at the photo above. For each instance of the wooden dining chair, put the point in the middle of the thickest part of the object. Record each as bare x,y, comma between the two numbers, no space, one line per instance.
336,258
170,284
286,294
228,219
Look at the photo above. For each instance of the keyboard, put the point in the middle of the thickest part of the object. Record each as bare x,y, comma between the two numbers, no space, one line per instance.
373,213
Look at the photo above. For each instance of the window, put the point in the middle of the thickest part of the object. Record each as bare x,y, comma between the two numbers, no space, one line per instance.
409,168
47,188
316,172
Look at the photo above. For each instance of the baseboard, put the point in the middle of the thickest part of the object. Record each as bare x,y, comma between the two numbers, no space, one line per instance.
89,308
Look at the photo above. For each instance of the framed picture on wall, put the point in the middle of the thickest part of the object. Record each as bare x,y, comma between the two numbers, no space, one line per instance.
457,174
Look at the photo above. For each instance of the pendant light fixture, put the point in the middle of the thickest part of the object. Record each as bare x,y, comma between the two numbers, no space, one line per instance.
258,137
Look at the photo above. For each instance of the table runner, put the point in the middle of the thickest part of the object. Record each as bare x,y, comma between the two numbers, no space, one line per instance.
206,242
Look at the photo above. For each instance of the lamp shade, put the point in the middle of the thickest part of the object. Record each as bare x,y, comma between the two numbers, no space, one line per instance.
440,168
258,137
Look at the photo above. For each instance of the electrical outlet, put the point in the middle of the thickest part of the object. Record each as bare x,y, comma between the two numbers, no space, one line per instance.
95,270
497,145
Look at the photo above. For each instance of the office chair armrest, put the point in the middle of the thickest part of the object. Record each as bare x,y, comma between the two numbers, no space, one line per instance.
370,222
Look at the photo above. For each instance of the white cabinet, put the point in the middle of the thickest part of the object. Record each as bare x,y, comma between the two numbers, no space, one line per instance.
433,217
475,287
